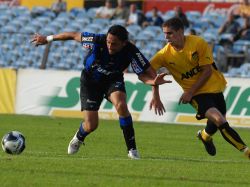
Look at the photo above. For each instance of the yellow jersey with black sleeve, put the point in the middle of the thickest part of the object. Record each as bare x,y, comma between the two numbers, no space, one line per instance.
185,65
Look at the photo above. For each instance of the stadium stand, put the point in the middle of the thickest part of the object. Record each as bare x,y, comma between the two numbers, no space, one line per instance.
18,24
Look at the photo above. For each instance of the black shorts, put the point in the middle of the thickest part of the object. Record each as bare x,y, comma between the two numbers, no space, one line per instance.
203,102
92,92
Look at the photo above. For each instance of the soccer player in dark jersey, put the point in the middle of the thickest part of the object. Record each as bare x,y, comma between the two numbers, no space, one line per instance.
102,77
190,61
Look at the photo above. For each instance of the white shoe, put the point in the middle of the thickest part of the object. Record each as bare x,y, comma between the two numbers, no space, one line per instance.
133,154
74,145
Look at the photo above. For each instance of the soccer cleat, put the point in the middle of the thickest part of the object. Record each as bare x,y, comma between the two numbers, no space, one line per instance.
247,152
74,145
209,145
133,154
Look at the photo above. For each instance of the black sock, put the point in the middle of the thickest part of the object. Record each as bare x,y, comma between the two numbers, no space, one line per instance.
232,137
126,125
211,128
129,136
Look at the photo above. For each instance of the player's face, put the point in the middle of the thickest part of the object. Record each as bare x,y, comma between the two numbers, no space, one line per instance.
175,38
114,44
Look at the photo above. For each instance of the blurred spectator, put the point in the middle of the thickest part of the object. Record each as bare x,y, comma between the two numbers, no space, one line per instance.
192,32
135,16
121,11
105,11
10,2
59,6
242,9
230,26
7,2
181,15
155,19
244,32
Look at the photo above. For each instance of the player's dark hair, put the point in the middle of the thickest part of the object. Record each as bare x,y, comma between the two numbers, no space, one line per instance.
174,23
119,31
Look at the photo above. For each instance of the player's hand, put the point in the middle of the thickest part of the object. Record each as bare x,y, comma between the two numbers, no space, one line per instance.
159,79
38,39
157,105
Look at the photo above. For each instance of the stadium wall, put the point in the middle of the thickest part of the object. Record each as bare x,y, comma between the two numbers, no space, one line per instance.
7,91
37,94
145,5
47,3
164,6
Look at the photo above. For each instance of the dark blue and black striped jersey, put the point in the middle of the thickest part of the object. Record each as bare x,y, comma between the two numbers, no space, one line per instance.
100,64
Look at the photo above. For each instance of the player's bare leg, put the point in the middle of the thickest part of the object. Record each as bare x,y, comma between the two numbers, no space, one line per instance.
90,124
118,99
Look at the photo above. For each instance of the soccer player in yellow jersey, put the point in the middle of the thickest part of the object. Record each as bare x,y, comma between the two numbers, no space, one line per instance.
189,60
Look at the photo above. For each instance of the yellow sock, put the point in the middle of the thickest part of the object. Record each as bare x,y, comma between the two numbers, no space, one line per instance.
205,136
247,152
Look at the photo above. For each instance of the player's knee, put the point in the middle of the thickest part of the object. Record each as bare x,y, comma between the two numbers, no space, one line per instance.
215,116
219,120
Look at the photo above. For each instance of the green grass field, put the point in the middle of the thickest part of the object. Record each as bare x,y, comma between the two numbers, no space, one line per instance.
171,155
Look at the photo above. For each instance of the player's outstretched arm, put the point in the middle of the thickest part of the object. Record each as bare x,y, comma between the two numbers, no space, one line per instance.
150,77
39,39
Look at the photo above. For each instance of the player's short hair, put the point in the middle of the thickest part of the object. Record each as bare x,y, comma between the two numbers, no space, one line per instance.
119,31
174,23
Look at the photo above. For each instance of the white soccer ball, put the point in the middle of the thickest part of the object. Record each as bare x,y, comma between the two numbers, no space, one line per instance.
13,142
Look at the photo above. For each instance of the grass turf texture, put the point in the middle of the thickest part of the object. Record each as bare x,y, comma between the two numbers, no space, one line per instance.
171,155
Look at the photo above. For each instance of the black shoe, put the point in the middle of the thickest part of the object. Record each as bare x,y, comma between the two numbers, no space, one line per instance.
209,145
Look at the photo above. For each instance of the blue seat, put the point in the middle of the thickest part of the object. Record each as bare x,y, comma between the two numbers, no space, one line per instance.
102,22
78,67
20,10
43,20
168,14
38,10
193,15
203,24
61,66
241,46
9,29
55,25
65,15
118,22
147,52
62,20
49,13
29,60
134,29
17,23
95,27
48,31
4,19
29,29
154,29
145,35
2,62
78,12
210,37
83,21
23,20
91,12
